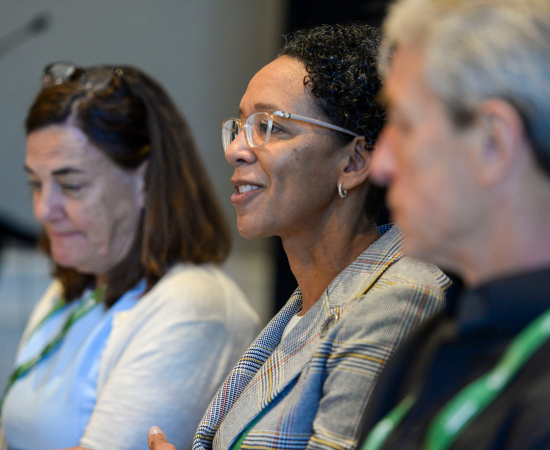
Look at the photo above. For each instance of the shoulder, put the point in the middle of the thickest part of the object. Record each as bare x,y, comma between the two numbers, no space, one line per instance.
518,416
404,296
413,274
388,266
405,283
46,303
527,402
200,292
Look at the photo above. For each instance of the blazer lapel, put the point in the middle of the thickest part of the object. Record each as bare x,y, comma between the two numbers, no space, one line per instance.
366,269
283,365
243,372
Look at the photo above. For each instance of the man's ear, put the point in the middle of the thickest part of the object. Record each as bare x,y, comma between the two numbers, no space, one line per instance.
356,164
501,134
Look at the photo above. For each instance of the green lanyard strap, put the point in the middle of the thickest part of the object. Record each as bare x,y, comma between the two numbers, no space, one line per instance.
382,430
471,400
79,312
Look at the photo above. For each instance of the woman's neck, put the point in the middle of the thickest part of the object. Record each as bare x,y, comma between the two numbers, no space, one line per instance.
100,280
318,256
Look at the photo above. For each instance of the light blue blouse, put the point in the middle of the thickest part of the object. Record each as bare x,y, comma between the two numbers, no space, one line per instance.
51,405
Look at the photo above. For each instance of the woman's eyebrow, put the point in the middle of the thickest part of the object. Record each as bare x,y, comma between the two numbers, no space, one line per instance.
66,171
260,107
58,172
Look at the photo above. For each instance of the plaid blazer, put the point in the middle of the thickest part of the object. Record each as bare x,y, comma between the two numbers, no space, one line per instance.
309,390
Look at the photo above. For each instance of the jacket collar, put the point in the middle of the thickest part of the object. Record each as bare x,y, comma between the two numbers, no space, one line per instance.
504,306
366,269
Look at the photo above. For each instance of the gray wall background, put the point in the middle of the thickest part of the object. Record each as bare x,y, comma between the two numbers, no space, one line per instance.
203,52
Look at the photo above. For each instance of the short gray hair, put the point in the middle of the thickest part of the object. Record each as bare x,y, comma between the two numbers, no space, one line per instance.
480,49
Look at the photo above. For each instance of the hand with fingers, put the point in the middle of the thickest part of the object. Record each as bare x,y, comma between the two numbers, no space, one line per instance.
75,448
157,440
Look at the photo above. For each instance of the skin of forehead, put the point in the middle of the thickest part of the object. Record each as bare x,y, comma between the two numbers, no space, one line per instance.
280,86
71,145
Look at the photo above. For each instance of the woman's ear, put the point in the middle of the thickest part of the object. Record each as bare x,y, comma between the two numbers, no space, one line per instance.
140,175
356,165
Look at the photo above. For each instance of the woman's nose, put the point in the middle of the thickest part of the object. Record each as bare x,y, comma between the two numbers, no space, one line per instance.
239,152
48,204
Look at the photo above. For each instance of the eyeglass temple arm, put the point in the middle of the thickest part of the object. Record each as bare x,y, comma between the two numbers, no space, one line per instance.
315,122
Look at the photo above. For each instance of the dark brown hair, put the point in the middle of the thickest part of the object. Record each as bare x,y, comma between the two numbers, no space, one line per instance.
131,120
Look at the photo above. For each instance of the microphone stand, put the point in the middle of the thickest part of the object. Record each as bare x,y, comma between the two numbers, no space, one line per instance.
21,34
9,229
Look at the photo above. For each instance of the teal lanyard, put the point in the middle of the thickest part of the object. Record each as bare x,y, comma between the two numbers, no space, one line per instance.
244,434
471,400
79,312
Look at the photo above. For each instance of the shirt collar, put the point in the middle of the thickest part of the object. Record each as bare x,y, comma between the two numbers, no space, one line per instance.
506,305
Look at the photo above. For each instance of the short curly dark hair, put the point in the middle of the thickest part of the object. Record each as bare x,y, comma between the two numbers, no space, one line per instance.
341,62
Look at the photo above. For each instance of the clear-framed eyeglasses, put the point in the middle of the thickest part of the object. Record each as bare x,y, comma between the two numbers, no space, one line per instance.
258,127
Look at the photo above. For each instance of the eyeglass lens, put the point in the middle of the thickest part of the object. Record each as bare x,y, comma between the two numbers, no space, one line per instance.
257,130
230,130
95,79
58,73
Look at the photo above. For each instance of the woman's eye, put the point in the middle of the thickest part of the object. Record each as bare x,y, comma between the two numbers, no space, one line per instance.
263,127
71,188
275,128
34,185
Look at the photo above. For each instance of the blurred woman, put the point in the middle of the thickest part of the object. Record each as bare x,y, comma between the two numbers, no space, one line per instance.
138,316
301,150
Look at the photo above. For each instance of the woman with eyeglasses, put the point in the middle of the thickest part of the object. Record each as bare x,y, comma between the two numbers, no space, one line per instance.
301,150
139,326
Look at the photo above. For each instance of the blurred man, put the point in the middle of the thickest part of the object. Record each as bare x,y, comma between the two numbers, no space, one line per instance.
466,157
